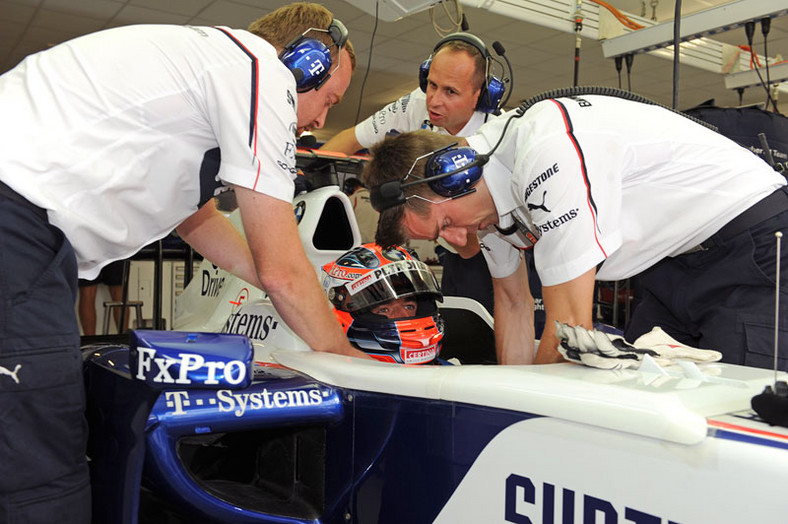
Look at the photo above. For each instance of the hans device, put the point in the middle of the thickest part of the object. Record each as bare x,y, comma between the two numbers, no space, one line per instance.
310,60
492,90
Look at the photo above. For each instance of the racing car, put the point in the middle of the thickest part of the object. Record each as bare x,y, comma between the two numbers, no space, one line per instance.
230,417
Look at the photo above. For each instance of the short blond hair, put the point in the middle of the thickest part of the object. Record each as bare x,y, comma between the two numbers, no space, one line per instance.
281,26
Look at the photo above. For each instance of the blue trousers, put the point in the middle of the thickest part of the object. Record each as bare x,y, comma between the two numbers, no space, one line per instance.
43,470
722,298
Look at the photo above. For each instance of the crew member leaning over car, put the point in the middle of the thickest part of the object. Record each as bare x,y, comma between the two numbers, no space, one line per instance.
108,142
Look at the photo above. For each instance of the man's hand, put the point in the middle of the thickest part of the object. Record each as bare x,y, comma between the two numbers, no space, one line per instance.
602,350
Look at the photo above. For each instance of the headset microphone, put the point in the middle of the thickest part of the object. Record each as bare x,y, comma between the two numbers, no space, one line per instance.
501,51
451,172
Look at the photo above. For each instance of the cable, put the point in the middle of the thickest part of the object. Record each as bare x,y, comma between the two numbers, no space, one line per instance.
499,49
578,40
619,60
766,24
456,23
621,17
676,52
629,58
606,91
369,62
749,31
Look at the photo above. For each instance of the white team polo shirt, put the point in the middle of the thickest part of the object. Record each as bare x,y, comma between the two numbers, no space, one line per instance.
606,179
118,134
409,113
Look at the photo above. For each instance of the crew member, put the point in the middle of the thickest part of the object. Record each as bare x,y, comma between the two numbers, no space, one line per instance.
601,187
108,142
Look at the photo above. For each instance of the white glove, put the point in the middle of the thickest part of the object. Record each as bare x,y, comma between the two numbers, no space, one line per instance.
601,350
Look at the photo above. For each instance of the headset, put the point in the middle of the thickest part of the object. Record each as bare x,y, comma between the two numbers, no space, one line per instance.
310,60
492,89
450,171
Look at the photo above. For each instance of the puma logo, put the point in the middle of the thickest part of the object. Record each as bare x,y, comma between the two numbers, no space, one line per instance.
13,374
541,206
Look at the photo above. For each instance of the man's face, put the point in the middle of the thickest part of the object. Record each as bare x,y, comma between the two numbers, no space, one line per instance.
451,91
313,105
452,220
397,308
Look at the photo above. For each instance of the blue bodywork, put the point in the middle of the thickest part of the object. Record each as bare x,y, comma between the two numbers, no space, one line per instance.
284,448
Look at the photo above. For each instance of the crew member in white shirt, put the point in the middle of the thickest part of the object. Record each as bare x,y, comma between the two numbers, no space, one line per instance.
108,142
601,188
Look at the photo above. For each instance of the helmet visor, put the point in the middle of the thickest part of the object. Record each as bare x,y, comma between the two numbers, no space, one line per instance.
396,280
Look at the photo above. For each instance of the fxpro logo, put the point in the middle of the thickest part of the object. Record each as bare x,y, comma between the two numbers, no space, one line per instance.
256,327
211,284
523,502
158,369
555,223
239,403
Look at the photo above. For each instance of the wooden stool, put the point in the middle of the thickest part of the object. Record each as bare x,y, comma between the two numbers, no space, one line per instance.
108,306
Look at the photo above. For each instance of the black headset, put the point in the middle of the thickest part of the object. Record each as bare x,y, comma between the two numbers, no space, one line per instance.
309,59
450,171
492,89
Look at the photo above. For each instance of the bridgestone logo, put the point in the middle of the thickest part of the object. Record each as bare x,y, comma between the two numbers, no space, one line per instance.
543,177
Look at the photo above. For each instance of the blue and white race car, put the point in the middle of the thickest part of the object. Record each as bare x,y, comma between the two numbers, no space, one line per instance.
231,418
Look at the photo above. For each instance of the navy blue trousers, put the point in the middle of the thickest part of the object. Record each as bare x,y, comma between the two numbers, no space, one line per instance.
722,298
43,433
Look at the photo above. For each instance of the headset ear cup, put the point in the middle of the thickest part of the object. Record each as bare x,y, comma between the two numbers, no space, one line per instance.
310,62
424,72
459,183
491,95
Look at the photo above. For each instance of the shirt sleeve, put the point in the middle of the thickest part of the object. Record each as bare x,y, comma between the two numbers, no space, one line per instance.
408,113
502,258
573,207
251,104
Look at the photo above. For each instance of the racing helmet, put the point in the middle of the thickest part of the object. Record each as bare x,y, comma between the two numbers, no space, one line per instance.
369,276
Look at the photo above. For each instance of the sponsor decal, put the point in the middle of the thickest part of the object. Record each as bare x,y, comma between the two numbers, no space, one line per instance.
405,100
242,297
256,327
374,276
341,273
197,30
285,167
417,356
293,128
538,304
238,403
211,284
290,150
375,126
542,206
555,223
299,209
13,374
183,370
290,99
393,106
543,177
582,102
524,501
316,67
381,117
426,125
